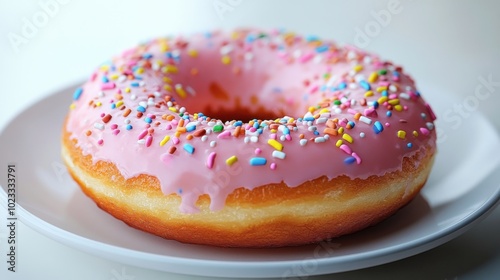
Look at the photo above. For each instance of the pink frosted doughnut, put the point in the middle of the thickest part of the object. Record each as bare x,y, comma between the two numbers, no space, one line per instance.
249,138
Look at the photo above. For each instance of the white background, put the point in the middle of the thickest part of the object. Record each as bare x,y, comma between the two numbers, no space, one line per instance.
453,45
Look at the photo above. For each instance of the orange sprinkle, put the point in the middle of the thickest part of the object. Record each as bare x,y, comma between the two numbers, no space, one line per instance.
189,136
127,112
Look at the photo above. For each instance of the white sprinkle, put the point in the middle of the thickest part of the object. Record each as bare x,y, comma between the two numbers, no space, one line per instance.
126,121
321,120
190,90
318,58
99,126
157,94
143,104
303,142
155,66
254,139
182,110
367,60
319,139
326,136
312,128
282,138
278,154
362,134
337,110
423,115
248,56
246,139
204,138
226,49
213,144
359,77
101,94
133,97
393,88
404,95
353,86
429,125
142,83
365,120
170,104
141,142
151,101
122,78
351,55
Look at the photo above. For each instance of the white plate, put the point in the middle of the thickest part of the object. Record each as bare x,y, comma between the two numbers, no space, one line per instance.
464,186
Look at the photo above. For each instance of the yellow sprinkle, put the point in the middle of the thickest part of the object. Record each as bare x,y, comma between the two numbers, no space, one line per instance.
230,161
127,90
104,68
178,134
114,76
159,62
167,87
226,59
275,144
291,120
171,68
347,137
358,68
339,143
393,101
382,99
164,47
165,140
173,109
325,110
180,91
415,133
380,89
373,77
98,103
139,70
369,93
402,134
311,109
193,53
119,104
398,108
273,131
340,130
72,106
167,80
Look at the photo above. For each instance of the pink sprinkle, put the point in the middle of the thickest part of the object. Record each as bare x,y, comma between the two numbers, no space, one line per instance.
393,96
102,115
306,57
313,89
272,136
358,159
93,76
288,137
370,112
114,126
252,129
352,111
109,85
168,127
346,149
387,124
273,166
384,84
248,126
116,131
405,108
149,140
225,134
100,141
395,78
174,122
175,140
210,160
424,131
119,91
413,96
258,151
144,133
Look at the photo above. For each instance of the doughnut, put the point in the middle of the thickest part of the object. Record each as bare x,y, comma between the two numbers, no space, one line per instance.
249,138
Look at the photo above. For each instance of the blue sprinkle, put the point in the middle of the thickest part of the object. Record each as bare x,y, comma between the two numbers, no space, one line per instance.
169,55
384,93
179,191
190,128
208,35
134,84
113,106
104,79
332,88
417,93
322,48
186,117
349,160
388,113
311,38
78,93
309,119
260,130
188,148
137,77
148,120
409,145
395,73
147,56
378,127
316,132
255,125
323,88
286,130
258,161
351,123
141,109
364,84
250,38
238,123
342,85
375,104
129,127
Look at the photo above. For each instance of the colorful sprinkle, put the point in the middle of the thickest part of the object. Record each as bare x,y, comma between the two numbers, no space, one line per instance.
256,161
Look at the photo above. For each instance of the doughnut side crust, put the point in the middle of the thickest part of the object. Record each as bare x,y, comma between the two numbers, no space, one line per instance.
271,215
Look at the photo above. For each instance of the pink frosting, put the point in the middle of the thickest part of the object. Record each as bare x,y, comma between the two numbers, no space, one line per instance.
129,113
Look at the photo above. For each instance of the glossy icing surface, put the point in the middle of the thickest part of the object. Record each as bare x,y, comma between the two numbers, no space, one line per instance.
211,112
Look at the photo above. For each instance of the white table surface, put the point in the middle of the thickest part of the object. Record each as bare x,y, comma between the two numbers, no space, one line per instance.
451,44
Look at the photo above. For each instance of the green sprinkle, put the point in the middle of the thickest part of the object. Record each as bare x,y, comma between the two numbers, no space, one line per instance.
218,128
382,72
